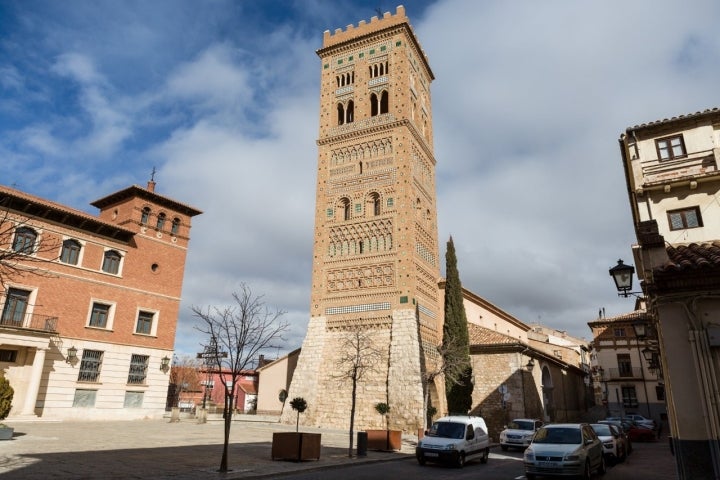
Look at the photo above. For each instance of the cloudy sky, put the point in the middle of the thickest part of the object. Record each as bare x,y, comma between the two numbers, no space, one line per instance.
221,97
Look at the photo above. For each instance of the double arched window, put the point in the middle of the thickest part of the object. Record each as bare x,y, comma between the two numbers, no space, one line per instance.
346,112
379,104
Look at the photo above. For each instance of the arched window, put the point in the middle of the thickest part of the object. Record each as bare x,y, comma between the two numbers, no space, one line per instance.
70,252
175,228
376,204
340,114
111,262
24,241
145,217
373,104
161,221
384,102
345,203
350,111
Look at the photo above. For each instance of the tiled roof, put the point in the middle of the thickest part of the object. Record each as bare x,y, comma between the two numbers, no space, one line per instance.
484,336
688,116
624,318
690,267
693,257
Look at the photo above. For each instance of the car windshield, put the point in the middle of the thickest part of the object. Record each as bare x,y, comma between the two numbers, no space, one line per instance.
447,430
603,430
560,435
522,425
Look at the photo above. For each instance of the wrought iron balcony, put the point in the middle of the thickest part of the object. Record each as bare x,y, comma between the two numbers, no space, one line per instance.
30,321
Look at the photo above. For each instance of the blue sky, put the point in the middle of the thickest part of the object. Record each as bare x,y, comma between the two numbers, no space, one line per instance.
222,98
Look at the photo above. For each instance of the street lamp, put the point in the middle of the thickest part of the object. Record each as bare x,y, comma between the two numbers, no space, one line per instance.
622,275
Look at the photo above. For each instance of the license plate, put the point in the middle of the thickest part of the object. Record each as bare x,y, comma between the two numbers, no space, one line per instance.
548,464
431,454
514,441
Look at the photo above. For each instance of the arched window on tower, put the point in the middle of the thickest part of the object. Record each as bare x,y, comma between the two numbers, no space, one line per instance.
145,217
345,205
384,102
160,221
373,104
350,111
175,227
340,114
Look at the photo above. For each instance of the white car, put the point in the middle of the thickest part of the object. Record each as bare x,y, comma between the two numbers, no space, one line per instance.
519,433
613,445
454,440
564,449
641,421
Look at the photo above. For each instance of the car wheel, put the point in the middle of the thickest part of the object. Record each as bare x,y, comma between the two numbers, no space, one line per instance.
530,476
485,456
421,460
602,468
504,448
461,460
623,455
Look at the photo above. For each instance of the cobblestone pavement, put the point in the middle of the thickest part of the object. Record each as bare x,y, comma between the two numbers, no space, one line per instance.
159,449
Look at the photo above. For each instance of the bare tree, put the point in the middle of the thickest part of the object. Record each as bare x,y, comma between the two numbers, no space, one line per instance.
21,251
359,357
452,359
238,334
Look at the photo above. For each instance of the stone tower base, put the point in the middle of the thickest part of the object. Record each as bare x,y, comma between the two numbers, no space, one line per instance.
395,379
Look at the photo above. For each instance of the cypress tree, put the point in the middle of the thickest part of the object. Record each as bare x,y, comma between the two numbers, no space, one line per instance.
457,390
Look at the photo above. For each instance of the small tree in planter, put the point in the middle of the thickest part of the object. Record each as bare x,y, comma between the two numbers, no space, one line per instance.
384,439
299,405
6,396
383,409
295,445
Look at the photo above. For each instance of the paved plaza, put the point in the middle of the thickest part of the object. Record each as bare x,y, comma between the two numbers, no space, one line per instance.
159,449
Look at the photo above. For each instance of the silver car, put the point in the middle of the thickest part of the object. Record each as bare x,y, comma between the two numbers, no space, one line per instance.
564,449
519,433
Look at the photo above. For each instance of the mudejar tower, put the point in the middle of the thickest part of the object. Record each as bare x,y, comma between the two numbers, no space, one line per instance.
375,256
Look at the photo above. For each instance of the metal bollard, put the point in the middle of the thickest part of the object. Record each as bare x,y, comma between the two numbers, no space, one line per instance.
362,443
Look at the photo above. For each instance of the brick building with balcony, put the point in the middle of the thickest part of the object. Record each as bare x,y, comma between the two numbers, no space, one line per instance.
89,304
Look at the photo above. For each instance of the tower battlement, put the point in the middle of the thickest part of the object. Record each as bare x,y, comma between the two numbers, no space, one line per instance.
363,28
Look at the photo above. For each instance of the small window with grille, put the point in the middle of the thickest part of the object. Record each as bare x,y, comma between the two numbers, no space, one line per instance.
90,366
138,369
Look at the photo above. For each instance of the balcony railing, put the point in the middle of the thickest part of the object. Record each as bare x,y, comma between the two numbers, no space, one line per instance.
610,374
31,321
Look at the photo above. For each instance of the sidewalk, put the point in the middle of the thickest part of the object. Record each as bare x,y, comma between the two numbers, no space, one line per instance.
159,449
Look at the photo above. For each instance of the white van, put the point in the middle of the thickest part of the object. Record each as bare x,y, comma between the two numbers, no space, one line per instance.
454,440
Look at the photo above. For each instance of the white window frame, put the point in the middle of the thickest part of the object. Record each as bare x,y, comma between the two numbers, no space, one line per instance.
153,328
121,264
81,253
111,313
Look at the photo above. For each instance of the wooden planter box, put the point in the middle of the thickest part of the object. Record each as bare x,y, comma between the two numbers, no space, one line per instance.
384,439
296,446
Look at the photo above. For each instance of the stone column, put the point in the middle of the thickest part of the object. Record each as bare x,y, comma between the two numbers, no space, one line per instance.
28,408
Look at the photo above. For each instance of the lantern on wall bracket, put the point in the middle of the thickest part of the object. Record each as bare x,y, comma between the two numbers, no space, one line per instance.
71,357
165,363
622,275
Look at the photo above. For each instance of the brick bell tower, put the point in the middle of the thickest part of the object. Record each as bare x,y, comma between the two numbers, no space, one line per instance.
375,257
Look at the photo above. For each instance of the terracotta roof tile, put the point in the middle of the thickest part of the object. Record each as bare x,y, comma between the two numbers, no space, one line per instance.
673,119
484,336
692,258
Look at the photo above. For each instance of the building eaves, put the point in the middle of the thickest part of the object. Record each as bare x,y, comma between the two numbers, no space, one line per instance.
138,191
33,206
690,267
637,315
667,121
